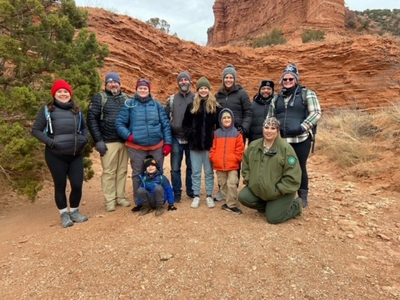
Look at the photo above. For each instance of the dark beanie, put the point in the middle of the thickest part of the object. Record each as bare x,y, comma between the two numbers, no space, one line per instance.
229,70
183,75
269,83
203,81
291,69
143,82
61,84
112,76
150,161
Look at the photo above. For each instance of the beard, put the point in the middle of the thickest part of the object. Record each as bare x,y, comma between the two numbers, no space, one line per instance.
184,87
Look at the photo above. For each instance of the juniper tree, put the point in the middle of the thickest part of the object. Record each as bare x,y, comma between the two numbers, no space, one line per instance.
40,41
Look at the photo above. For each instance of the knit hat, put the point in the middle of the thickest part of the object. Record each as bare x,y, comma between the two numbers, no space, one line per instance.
203,81
61,84
291,69
112,76
150,161
272,121
229,70
183,75
269,83
143,82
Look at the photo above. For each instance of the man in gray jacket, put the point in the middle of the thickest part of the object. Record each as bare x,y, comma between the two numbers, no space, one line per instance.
175,109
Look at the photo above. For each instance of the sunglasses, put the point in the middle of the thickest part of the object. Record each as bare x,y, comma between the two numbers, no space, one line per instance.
271,152
288,79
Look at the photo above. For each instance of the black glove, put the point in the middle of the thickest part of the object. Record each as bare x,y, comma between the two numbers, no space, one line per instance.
101,147
242,130
171,207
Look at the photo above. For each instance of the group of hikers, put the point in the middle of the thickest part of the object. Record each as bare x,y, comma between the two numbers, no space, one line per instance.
210,130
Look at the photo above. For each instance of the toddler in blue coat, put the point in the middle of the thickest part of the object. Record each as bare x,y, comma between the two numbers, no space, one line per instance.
155,189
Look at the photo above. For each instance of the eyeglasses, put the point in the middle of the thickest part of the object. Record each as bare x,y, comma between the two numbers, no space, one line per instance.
110,81
288,79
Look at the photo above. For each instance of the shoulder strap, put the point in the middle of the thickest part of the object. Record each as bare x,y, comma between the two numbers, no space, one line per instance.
49,127
80,122
170,102
104,99
304,95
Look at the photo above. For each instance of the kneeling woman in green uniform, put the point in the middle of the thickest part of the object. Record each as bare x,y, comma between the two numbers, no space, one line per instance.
272,175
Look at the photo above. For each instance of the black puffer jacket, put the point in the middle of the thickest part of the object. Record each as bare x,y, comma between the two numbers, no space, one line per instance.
260,109
70,133
104,130
239,103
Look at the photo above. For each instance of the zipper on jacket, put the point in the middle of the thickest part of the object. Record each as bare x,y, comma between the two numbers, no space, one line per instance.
75,132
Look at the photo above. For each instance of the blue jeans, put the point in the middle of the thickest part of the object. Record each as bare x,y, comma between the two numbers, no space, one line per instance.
200,159
176,162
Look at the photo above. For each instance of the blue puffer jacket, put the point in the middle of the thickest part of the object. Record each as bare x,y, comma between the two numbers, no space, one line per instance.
149,182
146,120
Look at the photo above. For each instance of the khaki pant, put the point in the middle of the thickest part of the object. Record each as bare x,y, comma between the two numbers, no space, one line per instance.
227,181
115,168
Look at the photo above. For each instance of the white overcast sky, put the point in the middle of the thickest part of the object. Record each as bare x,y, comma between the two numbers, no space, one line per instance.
190,19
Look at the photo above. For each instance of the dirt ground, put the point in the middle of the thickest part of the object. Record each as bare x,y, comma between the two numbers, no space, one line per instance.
346,246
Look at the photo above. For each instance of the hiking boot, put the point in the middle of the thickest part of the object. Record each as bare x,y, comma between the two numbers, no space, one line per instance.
77,217
234,210
124,203
218,196
210,202
66,220
136,208
303,194
145,210
195,202
159,210
178,198
110,206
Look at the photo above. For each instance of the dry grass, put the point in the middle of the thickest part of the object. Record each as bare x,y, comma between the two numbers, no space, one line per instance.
354,140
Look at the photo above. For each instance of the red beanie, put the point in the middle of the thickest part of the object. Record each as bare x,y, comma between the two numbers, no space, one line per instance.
143,82
61,84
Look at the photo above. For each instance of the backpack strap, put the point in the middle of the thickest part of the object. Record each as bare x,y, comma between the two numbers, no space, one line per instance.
104,99
80,122
49,127
170,104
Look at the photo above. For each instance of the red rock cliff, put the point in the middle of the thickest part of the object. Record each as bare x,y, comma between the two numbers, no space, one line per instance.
362,72
236,20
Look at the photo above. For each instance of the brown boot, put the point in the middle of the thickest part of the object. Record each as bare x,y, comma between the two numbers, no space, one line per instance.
145,209
159,210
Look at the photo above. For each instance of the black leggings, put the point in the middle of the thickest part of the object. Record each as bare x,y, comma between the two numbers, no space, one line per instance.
302,151
61,168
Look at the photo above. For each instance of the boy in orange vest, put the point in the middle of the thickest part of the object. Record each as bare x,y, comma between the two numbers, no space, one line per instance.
226,156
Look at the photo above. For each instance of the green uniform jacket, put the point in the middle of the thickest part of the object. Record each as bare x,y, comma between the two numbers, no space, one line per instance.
270,176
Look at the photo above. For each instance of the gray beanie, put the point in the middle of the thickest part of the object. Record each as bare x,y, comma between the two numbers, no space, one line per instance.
183,75
291,69
229,70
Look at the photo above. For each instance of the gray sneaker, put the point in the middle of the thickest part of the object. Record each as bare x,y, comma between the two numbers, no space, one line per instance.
218,196
66,220
77,217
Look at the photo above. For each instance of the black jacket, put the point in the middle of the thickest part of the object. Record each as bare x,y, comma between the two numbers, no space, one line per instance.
260,109
199,128
105,129
70,133
239,103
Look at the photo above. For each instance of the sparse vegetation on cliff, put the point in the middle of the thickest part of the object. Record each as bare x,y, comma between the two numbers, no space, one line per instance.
276,37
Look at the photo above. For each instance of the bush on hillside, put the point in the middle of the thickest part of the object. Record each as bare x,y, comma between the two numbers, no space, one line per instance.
313,36
276,37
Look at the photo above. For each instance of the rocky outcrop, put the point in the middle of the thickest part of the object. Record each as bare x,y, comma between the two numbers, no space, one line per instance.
239,20
361,72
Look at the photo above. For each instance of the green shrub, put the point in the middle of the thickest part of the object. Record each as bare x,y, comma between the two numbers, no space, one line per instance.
276,37
313,36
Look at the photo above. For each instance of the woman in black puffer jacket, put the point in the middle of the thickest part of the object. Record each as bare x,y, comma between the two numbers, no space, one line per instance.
61,127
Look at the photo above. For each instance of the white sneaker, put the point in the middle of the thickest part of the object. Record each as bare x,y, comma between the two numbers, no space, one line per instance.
210,202
218,196
195,202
